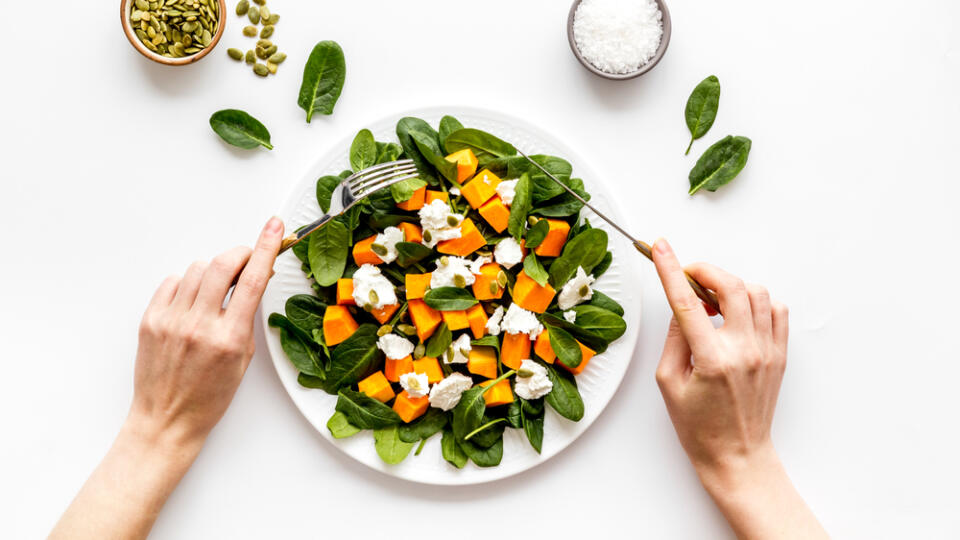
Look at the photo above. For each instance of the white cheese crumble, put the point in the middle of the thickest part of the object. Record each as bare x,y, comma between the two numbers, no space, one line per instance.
389,239
455,191
446,274
576,290
506,190
508,252
439,223
570,316
368,279
459,351
520,321
493,323
477,263
536,385
618,36
446,393
395,347
416,384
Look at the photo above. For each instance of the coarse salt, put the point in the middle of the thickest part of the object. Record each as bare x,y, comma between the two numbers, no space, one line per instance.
618,36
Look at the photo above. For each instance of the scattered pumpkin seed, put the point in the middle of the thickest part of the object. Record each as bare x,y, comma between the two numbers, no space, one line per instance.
270,51
251,58
532,220
452,221
419,351
444,260
459,281
274,19
254,15
502,278
142,5
259,2
524,373
266,32
262,71
271,67
277,58
584,290
261,53
379,249
264,43
242,7
450,355
407,329
427,236
384,330
494,288
373,296
264,12
250,31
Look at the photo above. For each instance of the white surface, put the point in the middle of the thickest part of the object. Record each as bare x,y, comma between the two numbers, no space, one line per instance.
847,211
597,383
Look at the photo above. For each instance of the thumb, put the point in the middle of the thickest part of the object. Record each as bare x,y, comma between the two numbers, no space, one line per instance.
675,360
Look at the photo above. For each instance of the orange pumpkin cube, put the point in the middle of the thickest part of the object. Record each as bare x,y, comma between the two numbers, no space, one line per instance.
415,202
514,350
483,362
466,163
530,295
416,285
586,353
362,254
410,408
430,367
345,292
411,232
338,325
393,369
425,318
456,320
496,213
478,321
470,240
481,188
500,394
485,285
556,237
378,387
383,314
437,195
543,349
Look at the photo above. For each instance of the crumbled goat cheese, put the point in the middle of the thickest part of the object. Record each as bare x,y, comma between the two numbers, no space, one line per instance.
439,223
493,323
455,191
618,36
536,385
506,190
459,351
395,347
576,290
389,239
416,384
446,393
446,274
520,321
479,262
570,316
508,252
371,288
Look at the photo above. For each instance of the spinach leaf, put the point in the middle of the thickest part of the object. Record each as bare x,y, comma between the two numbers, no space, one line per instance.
522,202
533,425
323,77
449,299
604,265
543,188
354,359
565,346
410,253
600,322
424,427
587,249
485,146
451,449
591,340
483,457
448,125
387,152
564,398
439,341
325,187
240,129
513,414
468,413
365,412
327,251
720,164
701,108
429,147
298,348
363,151
389,447
379,221
536,234
403,190
487,341
534,270
405,129
603,301
340,427
309,381
492,431
565,204
305,311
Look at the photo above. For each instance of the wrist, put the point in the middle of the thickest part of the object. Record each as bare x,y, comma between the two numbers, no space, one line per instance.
738,475
170,445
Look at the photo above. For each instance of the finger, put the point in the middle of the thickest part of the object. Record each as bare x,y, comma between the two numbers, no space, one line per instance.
687,308
761,308
219,277
189,285
731,293
675,360
165,293
253,280
781,325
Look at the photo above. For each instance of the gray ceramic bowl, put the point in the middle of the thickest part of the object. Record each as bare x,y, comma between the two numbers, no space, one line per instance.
664,42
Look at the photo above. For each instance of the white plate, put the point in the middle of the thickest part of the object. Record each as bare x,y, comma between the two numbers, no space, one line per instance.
597,383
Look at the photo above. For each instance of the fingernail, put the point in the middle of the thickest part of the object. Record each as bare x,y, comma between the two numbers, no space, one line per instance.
662,246
274,225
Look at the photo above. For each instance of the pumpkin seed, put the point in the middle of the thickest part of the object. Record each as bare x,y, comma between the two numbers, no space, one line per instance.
427,236
192,50
374,297
261,70
264,13
379,249
414,383
250,57
459,281
584,290
444,260
254,15
494,288
524,373
242,7
502,278
266,32
452,221
259,2
271,67
419,351
450,355
384,330
261,54
265,43
270,51
277,58
236,54
274,19
407,329
532,220
250,31
142,5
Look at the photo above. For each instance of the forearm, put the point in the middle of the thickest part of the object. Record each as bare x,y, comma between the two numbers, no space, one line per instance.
124,495
758,499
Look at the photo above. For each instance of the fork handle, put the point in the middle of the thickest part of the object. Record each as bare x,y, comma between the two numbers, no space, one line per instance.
288,242
295,237
708,296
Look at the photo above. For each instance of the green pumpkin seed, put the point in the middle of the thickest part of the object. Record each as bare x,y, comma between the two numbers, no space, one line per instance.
373,296
277,58
584,290
502,278
270,51
274,19
524,373
265,43
192,50
444,261
259,2
261,54
264,13
384,330
494,288
254,15
532,220
450,356
250,31
427,236
142,5
459,281
261,70
452,221
407,329
236,54
419,351
242,7
266,32
250,57
271,67
187,40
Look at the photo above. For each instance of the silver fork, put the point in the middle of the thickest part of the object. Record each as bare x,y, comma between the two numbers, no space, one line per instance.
354,189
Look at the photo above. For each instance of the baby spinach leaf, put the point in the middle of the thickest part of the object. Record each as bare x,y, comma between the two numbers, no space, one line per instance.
522,202
564,398
363,151
323,77
513,414
600,322
591,340
309,381
424,427
365,412
587,249
604,265
603,301
379,221
429,147
543,188
340,427
405,129
701,108
327,251
325,187
485,146
536,234
451,450
389,447
565,204
410,253
240,129
299,349
566,348
354,359
448,125
449,299
468,414
305,311
387,152
484,457
492,431
487,341
532,425
403,190
439,341
534,270
720,164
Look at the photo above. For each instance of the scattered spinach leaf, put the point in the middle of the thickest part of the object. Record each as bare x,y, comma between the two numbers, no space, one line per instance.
534,270
424,427
720,164
354,359
604,265
449,299
299,349
520,209
485,146
565,347
404,189
405,129
365,412
363,151
483,457
448,125
536,234
387,152
340,427
410,253
305,311
438,343
587,249
603,301
533,425
429,147
565,204
389,447
487,341
327,250
513,414
309,381
240,129
451,450
564,398
490,431
701,108
325,187
323,77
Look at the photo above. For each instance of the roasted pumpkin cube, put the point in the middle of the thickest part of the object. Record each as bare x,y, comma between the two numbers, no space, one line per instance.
383,314
377,386
500,394
470,240
393,369
485,285
483,362
430,367
410,408
415,202
456,320
543,349
362,254
411,232
514,350
417,285
425,318
345,292
466,164
552,245
530,295
496,213
433,195
481,188
478,321
338,325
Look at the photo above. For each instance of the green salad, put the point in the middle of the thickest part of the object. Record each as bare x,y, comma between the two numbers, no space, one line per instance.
458,303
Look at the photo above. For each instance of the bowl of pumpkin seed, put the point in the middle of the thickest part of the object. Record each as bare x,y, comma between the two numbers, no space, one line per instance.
173,32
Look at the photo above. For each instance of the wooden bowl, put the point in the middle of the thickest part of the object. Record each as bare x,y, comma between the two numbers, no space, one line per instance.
125,10
664,42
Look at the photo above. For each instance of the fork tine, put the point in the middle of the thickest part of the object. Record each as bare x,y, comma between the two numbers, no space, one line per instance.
368,190
379,175
375,169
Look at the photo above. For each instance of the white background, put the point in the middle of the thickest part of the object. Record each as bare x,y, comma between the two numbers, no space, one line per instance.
111,179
